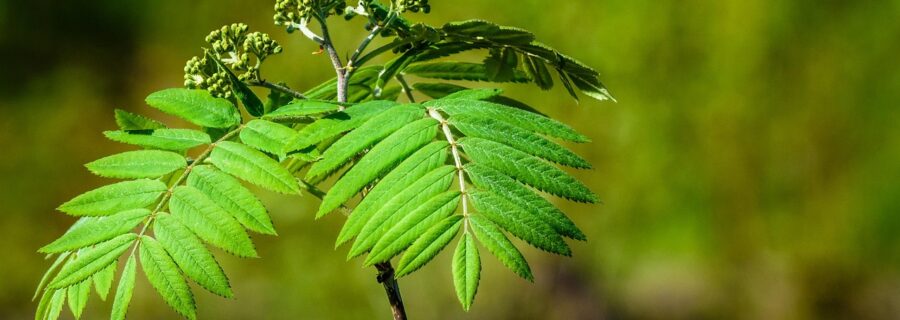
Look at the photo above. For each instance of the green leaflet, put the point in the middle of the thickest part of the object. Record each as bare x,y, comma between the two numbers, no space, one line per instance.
91,261
367,134
114,198
249,99
138,164
124,290
400,205
525,141
91,230
474,94
412,226
78,295
383,155
501,65
393,67
267,136
230,195
128,121
103,280
192,257
163,139
56,304
452,70
429,245
487,30
496,242
504,186
466,270
519,222
514,116
414,167
301,110
538,72
210,222
437,90
56,264
253,166
527,169
163,275
196,106
338,122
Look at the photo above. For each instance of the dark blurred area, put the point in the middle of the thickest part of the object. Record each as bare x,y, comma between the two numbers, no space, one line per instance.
750,170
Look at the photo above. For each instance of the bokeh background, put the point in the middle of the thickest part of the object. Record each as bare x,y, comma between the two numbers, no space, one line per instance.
751,169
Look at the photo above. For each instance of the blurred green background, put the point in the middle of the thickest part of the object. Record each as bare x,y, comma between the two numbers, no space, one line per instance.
751,169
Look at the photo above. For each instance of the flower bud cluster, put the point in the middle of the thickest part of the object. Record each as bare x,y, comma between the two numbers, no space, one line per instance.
413,5
292,13
233,46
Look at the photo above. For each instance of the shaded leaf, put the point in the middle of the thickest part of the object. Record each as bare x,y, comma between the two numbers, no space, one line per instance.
514,116
450,70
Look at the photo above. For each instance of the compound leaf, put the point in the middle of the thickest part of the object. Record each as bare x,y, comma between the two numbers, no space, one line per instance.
301,110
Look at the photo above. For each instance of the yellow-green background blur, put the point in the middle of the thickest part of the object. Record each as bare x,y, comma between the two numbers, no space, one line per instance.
751,169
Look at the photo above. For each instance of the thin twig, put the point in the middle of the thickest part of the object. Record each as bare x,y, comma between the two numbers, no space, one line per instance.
335,59
406,88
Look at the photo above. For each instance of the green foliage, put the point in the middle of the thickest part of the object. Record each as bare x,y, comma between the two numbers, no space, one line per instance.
465,162
138,164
